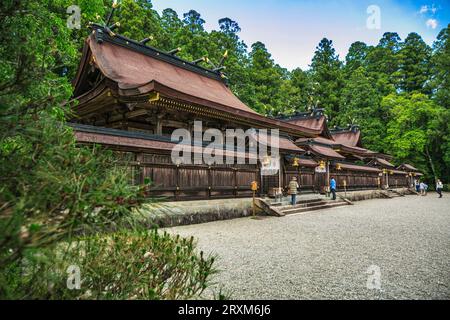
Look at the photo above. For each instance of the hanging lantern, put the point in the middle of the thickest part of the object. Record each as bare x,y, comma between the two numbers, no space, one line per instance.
338,166
384,171
295,162
391,172
322,164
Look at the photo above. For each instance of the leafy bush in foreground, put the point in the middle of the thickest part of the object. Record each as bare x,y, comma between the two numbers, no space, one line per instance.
53,191
124,265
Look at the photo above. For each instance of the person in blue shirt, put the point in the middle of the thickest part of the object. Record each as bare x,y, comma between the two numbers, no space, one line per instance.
333,187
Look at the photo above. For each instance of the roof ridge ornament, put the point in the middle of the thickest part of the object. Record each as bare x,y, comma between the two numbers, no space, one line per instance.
173,52
318,112
114,6
144,41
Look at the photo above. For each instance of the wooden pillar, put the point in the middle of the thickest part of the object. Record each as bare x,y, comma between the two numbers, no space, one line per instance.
159,126
140,167
235,191
209,182
177,181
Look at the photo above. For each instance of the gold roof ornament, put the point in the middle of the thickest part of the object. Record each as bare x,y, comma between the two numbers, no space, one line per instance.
154,96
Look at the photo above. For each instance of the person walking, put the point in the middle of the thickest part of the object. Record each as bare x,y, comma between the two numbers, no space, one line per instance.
422,188
439,187
425,188
293,187
333,187
417,185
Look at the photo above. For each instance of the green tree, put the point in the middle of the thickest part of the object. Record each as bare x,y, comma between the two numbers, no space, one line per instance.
440,68
383,62
263,94
138,20
171,25
360,104
413,131
356,56
227,41
192,38
326,71
414,64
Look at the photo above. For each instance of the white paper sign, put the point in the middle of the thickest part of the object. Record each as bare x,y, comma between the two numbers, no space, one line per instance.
270,167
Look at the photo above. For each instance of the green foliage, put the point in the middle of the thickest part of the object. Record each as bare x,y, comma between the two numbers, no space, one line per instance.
360,104
124,265
52,190
440,81
264,94
326,70
414,129
414,69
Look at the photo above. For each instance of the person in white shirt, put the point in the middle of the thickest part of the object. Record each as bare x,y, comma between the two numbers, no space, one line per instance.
439,187
422,188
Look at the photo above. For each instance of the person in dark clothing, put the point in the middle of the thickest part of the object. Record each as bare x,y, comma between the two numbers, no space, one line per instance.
333,187
439,187
417,185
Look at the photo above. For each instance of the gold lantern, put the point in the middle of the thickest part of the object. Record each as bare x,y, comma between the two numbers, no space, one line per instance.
338,166
384,171
266,160
322,164
391,172
295,162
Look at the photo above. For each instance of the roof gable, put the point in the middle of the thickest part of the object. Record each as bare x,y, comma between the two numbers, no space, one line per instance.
136,73
350,137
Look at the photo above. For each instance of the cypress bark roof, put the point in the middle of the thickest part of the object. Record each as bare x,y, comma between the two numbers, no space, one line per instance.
133,70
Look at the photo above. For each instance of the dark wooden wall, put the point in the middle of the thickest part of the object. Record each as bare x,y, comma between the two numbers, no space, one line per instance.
356,179
190,182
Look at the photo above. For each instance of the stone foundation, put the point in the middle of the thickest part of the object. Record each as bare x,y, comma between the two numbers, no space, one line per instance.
369,194
169,214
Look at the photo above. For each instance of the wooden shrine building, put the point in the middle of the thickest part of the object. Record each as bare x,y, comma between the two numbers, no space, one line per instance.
130,97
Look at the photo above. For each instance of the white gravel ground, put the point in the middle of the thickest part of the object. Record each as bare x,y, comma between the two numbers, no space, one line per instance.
326,254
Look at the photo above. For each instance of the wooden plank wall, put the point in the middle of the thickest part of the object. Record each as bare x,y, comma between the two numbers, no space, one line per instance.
189,182
181,182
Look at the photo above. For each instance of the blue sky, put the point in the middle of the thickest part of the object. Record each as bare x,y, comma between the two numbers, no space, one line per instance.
291,29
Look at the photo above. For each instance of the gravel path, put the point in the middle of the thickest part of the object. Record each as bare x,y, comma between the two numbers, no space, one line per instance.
326,254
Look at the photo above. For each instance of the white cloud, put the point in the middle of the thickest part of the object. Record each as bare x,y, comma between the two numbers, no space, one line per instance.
426,8
432,23
423,9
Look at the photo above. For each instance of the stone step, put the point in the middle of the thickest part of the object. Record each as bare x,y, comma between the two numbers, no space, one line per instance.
394,195
304,205
300,204
320,207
